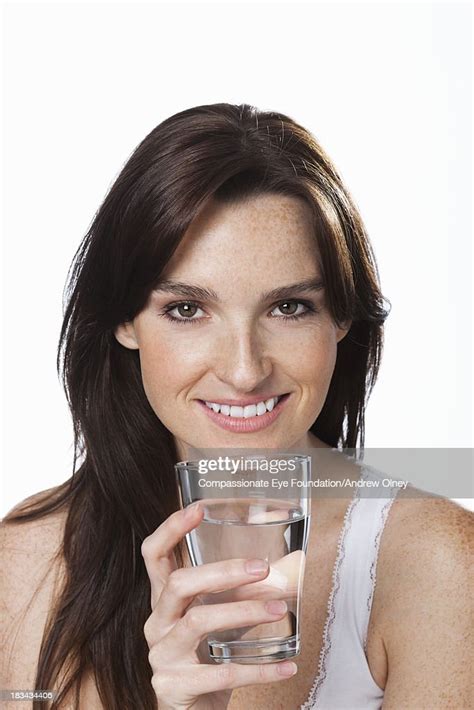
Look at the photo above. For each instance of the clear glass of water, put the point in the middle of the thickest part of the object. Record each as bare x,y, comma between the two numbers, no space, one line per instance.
253,508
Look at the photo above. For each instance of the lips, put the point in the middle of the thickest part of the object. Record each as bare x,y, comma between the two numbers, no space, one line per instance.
242,425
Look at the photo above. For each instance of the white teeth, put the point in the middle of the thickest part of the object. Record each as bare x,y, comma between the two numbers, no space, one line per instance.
250,410
270,403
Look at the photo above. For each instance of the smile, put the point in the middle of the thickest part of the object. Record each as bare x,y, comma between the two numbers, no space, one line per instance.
252,417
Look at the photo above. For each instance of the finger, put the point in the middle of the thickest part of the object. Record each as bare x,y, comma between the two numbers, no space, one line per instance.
267,516
202,679
199,621
157,549
283,580
185,583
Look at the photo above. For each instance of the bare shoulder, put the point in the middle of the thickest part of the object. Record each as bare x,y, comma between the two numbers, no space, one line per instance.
32,572
420,524
426,545
424,589
28,545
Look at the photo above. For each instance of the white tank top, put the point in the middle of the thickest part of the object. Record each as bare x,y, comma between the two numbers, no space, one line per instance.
344,680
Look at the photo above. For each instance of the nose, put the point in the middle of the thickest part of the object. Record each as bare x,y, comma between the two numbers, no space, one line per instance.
241,358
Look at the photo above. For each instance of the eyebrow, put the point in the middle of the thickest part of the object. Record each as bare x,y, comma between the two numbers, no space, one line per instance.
191,291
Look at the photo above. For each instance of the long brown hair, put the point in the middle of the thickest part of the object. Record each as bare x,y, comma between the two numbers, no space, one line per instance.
122,485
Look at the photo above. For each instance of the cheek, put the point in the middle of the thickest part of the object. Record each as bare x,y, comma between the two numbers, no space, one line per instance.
160,370
311,356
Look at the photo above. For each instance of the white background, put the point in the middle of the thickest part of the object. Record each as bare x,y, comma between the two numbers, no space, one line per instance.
385,88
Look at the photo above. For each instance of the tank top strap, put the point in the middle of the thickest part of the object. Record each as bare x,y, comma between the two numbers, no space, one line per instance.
362,543
343,673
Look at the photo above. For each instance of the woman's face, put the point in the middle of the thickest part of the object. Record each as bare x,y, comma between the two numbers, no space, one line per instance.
232,342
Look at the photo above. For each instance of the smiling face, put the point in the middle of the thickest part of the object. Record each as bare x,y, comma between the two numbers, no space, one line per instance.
235,341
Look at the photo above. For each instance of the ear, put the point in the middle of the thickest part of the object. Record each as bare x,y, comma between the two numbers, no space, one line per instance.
125,334
343,330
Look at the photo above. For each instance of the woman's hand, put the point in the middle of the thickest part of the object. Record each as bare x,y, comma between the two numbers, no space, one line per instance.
176,630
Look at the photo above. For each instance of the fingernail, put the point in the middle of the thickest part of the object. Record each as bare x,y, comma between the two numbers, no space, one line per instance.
287,669
275,606
191,510
256,566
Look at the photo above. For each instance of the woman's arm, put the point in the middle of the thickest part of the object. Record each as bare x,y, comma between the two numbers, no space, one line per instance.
426,615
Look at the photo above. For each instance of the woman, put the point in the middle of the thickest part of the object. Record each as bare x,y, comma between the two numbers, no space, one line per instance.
227,267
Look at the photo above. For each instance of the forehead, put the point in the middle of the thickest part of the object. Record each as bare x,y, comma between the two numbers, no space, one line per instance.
267,237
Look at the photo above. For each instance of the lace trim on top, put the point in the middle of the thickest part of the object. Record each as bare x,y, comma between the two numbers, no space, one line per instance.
331,613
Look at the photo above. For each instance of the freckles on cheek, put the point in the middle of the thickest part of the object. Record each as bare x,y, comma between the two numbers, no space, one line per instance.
311,357
156,363
155,355
167,367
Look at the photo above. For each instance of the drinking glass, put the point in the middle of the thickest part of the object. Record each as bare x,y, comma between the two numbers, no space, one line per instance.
254,508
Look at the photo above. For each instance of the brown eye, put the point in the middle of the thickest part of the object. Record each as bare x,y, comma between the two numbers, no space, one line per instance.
289,308
186,309
183,313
